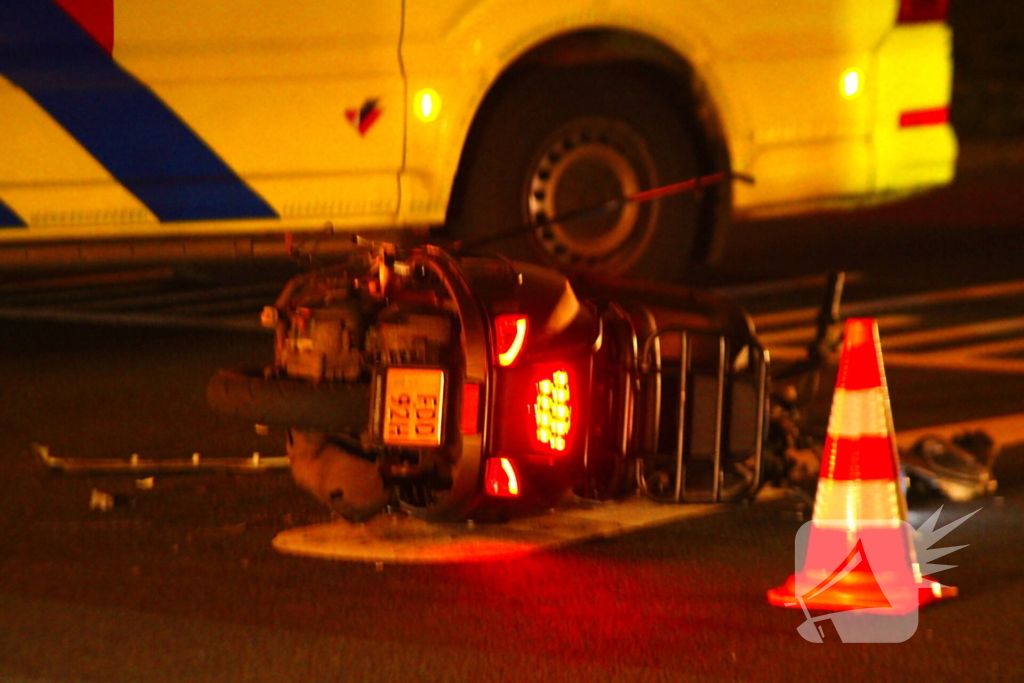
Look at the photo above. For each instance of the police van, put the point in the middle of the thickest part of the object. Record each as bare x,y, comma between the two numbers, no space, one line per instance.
172,121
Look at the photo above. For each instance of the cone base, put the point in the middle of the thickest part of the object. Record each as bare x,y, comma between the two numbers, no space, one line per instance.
855,594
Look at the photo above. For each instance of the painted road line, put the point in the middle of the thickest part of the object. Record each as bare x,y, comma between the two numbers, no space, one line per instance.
1005,430
952,334
996,348
978,357
955,361
952,360
406,540
805,333
875,306
982,357
783,286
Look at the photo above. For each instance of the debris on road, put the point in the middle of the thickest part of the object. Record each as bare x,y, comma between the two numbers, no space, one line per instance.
959,469
137,466
105,502
101,500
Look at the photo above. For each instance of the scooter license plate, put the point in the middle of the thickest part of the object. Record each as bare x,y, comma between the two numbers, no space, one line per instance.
413,406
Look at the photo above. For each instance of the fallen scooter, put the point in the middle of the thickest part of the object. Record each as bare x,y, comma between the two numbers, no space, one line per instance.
484,388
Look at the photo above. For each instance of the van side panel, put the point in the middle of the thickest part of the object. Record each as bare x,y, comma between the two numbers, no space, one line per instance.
151,117
205,117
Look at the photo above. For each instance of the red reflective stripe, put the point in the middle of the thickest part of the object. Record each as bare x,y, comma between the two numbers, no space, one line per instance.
867,457
916,11
470,408
860,362
924,117
96,17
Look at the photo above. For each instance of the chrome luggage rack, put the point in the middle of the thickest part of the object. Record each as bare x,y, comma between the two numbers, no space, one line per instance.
702,416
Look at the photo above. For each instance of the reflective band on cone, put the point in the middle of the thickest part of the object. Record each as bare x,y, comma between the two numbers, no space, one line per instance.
860,553
854,505
858,413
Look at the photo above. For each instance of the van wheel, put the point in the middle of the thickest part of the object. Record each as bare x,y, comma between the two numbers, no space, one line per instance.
556,142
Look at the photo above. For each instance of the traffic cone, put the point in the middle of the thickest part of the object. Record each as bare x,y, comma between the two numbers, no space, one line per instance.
860,509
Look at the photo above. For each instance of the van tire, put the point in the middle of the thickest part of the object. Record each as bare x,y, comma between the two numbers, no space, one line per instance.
553,141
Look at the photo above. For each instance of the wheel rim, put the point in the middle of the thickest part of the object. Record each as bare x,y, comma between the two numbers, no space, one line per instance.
582,164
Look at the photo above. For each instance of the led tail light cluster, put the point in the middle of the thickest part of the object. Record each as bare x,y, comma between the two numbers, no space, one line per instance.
553,410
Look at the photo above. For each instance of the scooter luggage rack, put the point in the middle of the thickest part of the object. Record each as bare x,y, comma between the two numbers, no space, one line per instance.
734,385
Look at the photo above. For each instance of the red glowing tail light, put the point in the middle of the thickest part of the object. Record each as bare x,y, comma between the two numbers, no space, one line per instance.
540,410
553,410
501,479
916,11
924,117
510,337
470,408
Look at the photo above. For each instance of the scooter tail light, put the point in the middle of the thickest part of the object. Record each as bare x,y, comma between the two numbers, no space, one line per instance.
537,410
553,410
501,479
510,332
470,408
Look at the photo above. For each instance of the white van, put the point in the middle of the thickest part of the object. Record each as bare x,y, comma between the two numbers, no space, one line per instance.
170,119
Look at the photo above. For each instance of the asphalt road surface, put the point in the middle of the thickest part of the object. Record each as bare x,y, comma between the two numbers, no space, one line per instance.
180,583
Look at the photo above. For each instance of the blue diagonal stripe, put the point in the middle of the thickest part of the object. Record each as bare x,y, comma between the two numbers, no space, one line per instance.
9,219
121,122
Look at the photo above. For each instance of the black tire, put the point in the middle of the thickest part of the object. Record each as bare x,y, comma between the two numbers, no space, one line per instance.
555,141
327,406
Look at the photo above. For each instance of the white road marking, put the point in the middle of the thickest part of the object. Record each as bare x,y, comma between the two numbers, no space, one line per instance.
995,348
899,349
783,286
805,333
878,306
954,361
957,333
935,361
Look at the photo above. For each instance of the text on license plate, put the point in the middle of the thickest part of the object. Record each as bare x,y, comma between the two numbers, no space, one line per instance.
413,404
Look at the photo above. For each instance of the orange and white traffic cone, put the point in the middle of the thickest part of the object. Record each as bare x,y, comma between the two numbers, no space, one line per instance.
860,508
